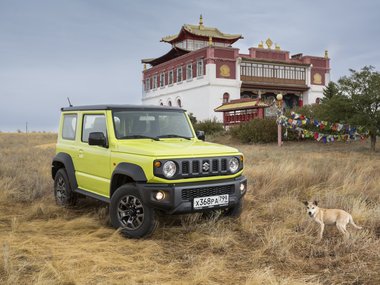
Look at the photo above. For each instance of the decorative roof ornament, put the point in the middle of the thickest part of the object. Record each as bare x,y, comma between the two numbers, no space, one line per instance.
277,47
201,22
326,53
202,31
261,44
210,41
144,66
269,43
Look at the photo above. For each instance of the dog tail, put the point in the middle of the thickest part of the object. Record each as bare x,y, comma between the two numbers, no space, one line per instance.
352,223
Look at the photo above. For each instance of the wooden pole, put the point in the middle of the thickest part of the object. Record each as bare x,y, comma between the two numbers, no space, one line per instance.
279,127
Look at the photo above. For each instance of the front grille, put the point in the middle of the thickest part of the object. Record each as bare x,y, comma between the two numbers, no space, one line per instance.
189,194
195,166
185,168
215,165
224,164
203,167
198,167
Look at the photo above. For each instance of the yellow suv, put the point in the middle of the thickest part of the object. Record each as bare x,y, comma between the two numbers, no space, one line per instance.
143,159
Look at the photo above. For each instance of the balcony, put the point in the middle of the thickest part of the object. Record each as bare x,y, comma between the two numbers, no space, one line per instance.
272,80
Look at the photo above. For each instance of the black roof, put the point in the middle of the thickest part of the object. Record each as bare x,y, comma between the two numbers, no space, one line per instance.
122,107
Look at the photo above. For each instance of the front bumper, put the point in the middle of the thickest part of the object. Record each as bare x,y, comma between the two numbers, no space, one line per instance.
179,197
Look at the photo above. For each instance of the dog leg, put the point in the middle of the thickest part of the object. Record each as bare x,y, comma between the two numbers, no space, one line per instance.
321,232
342,229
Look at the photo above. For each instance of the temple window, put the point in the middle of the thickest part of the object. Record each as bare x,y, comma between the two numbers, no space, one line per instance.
181,44
200,67
189,71
190,45
179,74
226,98
199,44
162,79
155,82
272,71
147,84
179,103
170,77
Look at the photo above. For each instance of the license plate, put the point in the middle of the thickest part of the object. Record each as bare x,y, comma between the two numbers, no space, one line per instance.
211,201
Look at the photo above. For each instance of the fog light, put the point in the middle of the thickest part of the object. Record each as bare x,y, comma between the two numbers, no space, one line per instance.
242,188
160,195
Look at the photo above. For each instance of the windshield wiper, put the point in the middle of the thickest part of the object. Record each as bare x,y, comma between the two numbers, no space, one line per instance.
139,137
174,136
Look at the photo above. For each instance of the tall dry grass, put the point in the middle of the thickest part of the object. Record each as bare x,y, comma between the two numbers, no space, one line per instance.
272,243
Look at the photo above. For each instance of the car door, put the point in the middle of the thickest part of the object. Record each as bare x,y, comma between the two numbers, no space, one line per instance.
93,162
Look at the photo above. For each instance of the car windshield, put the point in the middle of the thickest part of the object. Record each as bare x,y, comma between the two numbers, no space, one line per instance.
137,124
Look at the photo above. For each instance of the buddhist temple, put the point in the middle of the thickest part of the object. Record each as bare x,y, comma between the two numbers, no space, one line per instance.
203,71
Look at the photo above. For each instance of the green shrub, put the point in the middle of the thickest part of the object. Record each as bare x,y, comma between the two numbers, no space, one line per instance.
210,127
256,131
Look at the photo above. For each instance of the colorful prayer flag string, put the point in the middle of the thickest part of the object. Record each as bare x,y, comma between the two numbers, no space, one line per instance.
345,131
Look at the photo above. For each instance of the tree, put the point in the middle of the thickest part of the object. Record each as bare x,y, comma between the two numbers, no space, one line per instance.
338,108
330,91
361,91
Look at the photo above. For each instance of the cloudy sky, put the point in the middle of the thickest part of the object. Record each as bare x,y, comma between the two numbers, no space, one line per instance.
91,50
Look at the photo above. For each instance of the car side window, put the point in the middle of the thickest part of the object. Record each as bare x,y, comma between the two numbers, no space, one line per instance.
69,126
93,123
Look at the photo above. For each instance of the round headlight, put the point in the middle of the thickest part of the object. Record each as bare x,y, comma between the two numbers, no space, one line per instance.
169,169
233,164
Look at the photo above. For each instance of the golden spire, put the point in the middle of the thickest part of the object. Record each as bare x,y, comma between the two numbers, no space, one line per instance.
261,45
210,41
269,43
201,22
326,53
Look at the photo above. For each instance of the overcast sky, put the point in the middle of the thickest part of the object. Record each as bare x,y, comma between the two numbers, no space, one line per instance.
91,50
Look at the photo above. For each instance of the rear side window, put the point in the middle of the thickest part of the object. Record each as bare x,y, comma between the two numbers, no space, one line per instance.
93,123
69,126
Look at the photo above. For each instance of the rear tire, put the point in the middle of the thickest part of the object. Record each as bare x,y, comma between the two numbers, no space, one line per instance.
64,196
129,213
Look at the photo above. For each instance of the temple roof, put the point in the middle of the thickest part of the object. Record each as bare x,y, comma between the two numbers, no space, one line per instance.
201,30
241,104
173,53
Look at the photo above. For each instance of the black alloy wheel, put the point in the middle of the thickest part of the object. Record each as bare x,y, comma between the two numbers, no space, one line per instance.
62,190
129,213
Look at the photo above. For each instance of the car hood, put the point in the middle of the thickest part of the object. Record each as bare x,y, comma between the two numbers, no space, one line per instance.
173,148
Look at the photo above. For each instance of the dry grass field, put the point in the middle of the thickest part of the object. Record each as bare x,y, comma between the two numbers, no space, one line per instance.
273,242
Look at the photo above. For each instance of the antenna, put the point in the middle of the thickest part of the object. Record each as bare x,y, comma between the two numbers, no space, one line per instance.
68,99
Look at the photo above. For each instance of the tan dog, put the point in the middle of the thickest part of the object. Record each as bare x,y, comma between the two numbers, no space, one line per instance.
329,217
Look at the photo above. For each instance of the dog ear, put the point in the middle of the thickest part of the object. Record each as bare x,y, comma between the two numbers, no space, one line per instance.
316,203
306,203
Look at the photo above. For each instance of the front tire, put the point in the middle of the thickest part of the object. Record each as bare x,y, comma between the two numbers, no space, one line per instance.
64,196
128,212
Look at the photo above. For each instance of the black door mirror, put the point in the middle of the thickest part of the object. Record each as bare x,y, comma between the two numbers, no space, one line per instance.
200,135
97,138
